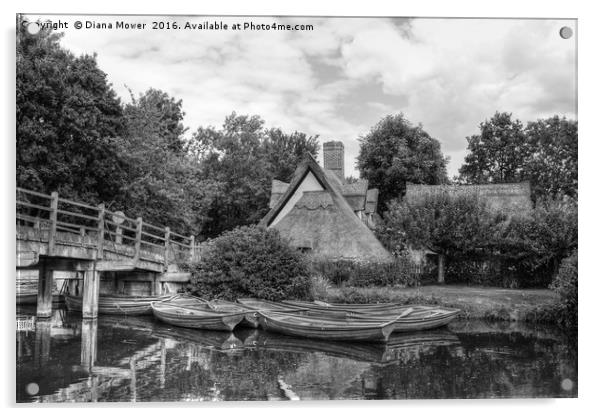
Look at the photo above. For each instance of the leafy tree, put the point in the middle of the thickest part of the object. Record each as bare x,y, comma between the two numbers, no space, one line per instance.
445,224
243,158
552,164
156,114
498,154
395,152
544,153
284,151
566,285
67,116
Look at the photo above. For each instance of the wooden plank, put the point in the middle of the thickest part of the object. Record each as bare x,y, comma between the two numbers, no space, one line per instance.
138,239
101,231
53,218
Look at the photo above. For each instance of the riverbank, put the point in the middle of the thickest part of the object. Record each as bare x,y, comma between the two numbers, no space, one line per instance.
489,303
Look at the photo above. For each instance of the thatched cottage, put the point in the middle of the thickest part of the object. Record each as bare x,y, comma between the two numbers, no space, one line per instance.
319,212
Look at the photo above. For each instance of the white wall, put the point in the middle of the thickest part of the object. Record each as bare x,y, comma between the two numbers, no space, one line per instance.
310,183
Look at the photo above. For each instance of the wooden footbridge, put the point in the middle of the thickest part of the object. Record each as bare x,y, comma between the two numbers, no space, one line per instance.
57,234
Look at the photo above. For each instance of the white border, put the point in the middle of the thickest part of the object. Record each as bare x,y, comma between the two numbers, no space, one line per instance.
589,114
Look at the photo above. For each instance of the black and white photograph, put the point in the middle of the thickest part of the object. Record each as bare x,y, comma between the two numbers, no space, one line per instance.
279,208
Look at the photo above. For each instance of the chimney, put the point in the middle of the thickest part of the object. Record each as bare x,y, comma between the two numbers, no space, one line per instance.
334,158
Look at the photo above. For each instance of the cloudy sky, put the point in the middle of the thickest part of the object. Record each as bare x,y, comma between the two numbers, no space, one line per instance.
341,78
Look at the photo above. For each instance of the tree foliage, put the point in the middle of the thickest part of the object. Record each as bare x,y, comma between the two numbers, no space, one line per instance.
544,153
395,152
242,158
67,116
448,225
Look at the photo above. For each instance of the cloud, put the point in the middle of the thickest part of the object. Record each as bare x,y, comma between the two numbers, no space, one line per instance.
339,79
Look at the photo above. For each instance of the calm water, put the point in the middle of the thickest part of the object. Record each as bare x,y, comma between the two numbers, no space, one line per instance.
138,359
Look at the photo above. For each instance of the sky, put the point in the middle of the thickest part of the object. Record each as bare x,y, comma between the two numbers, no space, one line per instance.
339,79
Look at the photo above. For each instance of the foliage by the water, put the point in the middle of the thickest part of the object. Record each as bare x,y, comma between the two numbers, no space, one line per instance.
400,272
251,262
450,226
566,285
482,247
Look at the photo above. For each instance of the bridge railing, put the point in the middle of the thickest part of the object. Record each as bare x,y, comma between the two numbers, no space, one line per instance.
63,221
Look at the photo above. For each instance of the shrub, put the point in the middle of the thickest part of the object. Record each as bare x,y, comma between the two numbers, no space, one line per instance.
251,262
532,247
400,272
565,284
319,287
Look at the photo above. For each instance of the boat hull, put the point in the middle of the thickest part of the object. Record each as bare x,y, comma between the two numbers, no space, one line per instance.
185,318
117,305
317,328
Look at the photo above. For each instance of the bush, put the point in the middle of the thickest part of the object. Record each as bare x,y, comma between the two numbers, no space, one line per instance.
532,247
565,284
251,262
400,272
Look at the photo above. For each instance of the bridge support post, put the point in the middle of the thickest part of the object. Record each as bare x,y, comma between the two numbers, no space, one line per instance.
45,280
88,347
91,291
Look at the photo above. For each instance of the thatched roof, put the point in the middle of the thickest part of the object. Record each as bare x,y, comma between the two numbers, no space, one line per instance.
325,219
509,198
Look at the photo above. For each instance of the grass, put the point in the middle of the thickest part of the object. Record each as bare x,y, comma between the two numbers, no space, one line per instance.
490,303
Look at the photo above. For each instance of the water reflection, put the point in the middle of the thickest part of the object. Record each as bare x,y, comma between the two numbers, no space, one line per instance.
65,358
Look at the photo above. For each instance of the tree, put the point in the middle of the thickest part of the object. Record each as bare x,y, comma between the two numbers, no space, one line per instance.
67,119
395,152
552,164
543,153
444,224
284,151
156,113
243,158
498,154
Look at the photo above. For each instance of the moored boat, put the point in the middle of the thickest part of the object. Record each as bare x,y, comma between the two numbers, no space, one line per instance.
409,317
117,304
365,329
190,312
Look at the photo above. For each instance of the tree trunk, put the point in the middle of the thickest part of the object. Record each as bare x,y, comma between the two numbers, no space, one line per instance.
441,274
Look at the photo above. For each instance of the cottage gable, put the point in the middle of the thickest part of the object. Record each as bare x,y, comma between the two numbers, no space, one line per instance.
314,214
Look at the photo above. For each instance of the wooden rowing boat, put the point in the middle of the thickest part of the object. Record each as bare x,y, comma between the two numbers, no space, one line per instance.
412,318
329,328
117,304
251,319
267,305
190,312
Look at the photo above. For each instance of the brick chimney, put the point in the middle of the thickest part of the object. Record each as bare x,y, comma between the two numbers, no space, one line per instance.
334,158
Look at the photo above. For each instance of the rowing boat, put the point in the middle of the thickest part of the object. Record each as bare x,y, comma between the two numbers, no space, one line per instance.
117,304
366,329
267,305
251,319
414,317
190,312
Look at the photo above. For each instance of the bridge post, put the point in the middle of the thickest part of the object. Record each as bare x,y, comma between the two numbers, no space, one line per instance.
101,232
54,206
88,347
91,291
138,239
192,248
45,280
167,236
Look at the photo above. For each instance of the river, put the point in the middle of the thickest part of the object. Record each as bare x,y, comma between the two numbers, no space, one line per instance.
137,359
